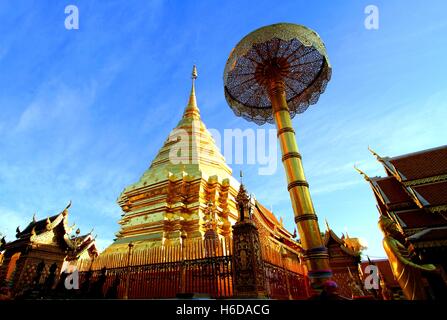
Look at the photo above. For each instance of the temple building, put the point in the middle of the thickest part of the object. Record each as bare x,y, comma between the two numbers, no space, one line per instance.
41,251
345,257
412,203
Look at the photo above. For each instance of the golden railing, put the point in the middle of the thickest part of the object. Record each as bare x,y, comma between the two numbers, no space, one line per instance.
200,266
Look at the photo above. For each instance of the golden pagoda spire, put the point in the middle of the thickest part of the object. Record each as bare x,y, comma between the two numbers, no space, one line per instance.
192,109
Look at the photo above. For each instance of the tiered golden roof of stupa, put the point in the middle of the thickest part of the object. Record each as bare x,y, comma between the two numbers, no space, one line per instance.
188,178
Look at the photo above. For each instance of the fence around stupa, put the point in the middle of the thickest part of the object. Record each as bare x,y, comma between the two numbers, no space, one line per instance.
203,267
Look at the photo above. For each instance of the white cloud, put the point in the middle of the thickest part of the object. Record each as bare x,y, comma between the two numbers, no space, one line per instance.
54,105
332,187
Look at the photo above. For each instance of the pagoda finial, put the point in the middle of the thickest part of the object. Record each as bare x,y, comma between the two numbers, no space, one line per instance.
34,218
191,108
65,212
194,73
362,173
241,175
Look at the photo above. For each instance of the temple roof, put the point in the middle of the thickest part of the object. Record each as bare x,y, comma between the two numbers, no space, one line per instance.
84,243
38,226
44,225
53,230
351,247
422,164
433,194
416,218
391,191
267,213
414,194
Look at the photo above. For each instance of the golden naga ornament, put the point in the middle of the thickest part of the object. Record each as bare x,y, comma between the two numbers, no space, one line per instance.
271,75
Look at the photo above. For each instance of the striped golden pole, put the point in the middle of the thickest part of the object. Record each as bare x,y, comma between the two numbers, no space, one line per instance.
306,219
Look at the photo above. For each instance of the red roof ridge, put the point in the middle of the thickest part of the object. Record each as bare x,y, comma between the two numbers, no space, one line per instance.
415,153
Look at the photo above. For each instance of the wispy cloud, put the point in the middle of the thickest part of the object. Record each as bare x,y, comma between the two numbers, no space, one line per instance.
10,220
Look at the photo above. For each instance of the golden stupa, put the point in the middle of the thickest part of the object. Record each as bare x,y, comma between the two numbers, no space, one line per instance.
177,199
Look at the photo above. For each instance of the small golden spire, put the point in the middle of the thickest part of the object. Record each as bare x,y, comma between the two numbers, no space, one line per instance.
191,108
194,73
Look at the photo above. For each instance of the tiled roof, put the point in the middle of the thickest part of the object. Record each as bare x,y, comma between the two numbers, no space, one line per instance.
423,164
431,234
267,213
434,193
393,190
419,218
38,226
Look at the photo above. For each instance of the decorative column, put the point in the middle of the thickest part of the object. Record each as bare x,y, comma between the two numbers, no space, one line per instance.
126,292
211,238
315,255
248,266
183,262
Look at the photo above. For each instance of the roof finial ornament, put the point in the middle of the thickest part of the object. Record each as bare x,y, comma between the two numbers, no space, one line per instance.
241,175
327,225
194,73
375,154
65,212
34,218
362,173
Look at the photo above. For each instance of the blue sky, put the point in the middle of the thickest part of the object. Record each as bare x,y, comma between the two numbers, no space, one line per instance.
83,112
